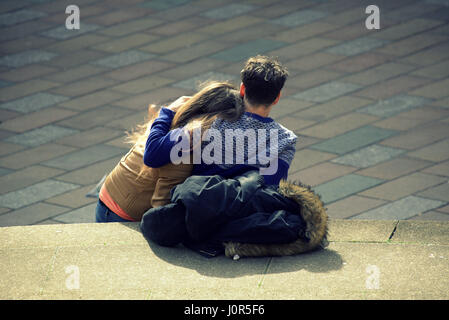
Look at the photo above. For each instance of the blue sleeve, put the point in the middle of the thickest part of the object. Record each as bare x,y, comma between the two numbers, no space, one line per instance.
161,140
280,174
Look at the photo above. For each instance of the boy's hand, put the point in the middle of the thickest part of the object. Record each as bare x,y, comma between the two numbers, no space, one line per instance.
174,106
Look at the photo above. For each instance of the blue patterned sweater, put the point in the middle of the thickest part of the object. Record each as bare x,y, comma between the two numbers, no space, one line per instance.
227,148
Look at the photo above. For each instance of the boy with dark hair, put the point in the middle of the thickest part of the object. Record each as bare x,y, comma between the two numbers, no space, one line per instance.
262,81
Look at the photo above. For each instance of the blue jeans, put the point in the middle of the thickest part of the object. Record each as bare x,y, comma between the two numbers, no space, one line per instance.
104,214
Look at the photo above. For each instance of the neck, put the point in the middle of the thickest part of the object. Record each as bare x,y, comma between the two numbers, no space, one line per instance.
261,110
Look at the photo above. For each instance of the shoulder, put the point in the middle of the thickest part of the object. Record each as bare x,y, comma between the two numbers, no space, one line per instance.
287,136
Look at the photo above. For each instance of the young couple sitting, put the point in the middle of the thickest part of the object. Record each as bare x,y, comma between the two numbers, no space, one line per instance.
210,171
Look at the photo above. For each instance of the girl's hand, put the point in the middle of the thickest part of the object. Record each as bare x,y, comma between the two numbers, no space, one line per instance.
174,106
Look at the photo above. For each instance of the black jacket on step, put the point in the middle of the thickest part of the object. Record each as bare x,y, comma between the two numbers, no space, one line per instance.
207,211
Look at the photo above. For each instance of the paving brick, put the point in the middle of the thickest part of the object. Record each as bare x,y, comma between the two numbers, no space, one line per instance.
9,148
36,119
22,178
395,168
77,43
246,50
434,90
125,43
401,209
90,174
229,25
33,156
30,215
33,102
312,61
95,117
138,70
368,156
84,86
193,68
349,32
40,136
440,192
123,59
337,126
419,137
428,56
116,16
162,4
129,27
333,108
436,71
391,87
380,73
35,193
62,33
287,107
353,140
19,16
26,73
129,122
142,84
441,169
228,11
357,46
157,96
170,44
406,29
327,91
194,82
293,123
403,186
90,137
411,44
351,206
346,17
394,105
203,49
312,78
25,88
27,42
74,199
435,152
84,157
26,57
402,123
302,32
344,186
299,18
75,73
359,62
321,173
296,50
306,158
84,214
261,30
431,215
179,26
92,100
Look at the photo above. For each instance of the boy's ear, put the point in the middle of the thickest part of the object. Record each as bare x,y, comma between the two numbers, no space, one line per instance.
242,90
277,99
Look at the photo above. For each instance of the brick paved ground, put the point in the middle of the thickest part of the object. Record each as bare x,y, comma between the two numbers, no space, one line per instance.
371,107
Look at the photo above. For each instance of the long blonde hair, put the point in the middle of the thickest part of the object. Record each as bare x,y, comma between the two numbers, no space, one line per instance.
214,100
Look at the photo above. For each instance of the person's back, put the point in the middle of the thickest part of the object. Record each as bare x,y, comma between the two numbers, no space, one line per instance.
254,141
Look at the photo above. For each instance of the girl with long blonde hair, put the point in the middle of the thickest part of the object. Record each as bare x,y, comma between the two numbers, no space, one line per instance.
145,175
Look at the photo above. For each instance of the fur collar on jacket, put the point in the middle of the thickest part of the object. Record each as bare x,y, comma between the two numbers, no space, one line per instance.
313,213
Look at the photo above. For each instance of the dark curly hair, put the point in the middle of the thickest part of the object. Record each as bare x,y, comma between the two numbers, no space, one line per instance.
264,78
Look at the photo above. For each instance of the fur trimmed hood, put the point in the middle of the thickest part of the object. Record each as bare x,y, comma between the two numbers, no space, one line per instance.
313,213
